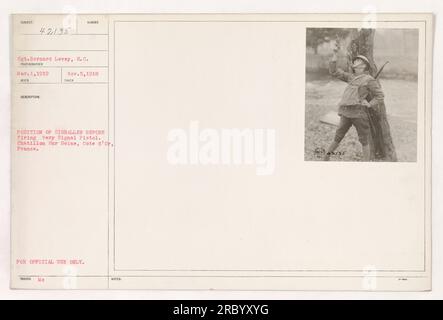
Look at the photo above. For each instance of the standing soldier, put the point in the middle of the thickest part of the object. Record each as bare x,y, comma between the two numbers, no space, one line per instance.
352,112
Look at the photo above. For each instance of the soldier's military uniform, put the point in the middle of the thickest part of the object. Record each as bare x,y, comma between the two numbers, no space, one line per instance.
351,110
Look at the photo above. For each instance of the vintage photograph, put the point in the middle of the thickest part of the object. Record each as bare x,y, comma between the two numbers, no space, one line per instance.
361,94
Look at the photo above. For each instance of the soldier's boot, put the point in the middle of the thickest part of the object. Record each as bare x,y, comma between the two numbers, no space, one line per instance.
330,150
366,153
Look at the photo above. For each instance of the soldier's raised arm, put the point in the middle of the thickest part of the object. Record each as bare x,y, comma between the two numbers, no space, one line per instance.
337,72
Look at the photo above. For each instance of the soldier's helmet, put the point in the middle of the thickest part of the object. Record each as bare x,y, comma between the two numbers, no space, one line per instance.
356,59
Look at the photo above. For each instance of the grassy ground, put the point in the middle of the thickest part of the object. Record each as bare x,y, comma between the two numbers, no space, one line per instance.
322,96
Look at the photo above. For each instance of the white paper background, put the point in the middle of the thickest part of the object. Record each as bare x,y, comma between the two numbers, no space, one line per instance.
259,6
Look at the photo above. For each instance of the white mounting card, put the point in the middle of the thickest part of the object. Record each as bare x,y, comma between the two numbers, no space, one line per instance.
221,151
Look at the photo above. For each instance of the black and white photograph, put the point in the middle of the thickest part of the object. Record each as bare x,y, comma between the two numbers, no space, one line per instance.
361,94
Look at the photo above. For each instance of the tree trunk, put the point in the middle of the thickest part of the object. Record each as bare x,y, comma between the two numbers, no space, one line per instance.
362,43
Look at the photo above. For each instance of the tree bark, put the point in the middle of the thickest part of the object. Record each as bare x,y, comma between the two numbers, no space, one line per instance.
362,43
